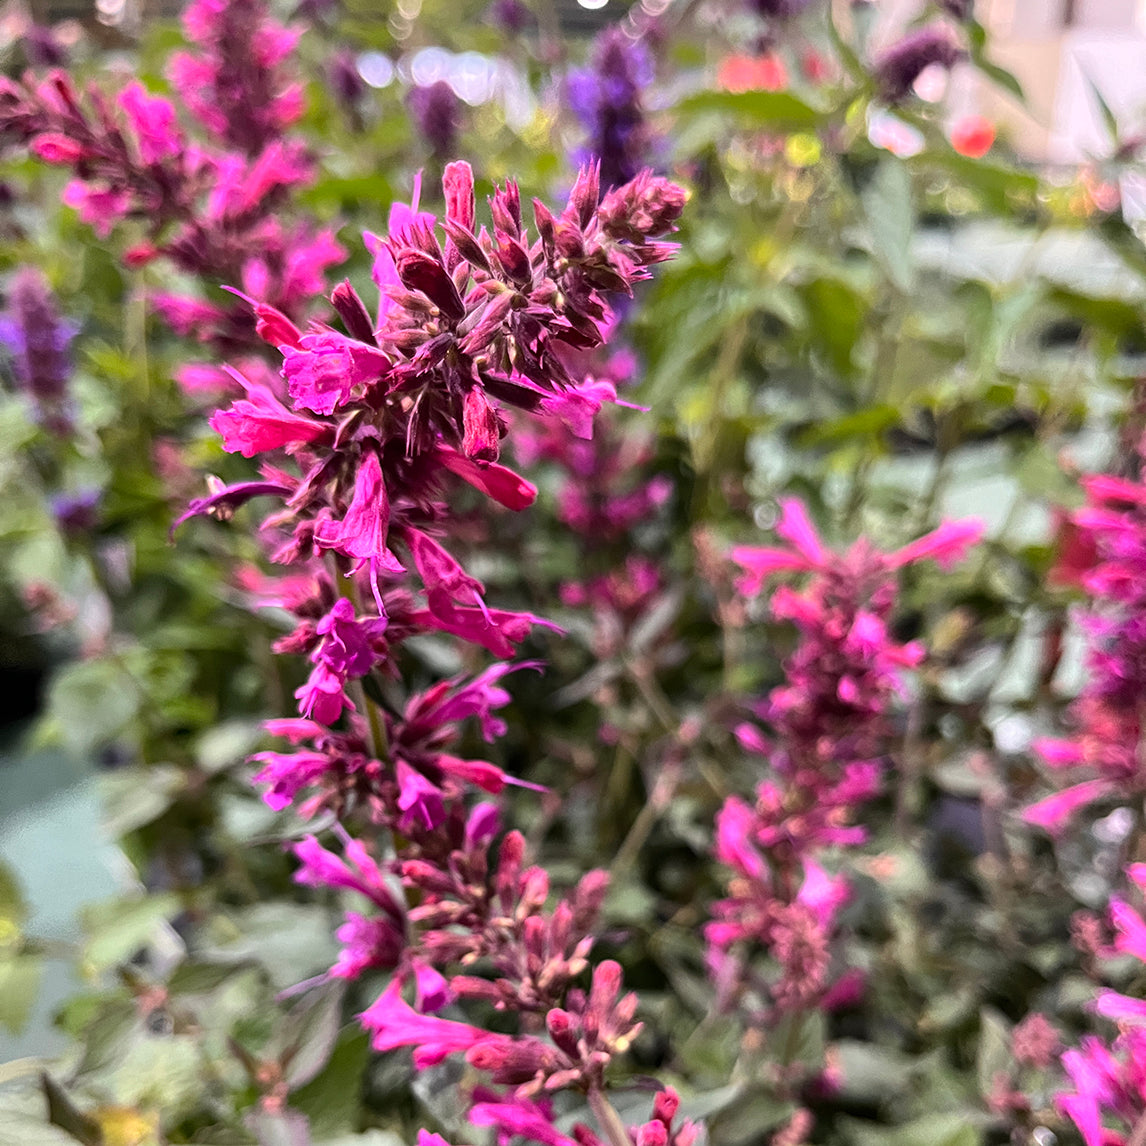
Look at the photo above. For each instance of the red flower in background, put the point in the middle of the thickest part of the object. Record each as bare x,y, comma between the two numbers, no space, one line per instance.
973,136
741,73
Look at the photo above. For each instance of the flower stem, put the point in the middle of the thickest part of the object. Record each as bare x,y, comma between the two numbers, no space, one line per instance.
608,1119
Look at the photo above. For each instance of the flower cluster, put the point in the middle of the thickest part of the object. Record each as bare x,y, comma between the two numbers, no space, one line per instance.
234,84
602,495
214,210
829,731
1109,1080
606,98
38,340
370,425
1107,549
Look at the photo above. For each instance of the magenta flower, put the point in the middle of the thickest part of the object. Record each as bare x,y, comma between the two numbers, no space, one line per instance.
946,545
1102,760
368,944
261,423
394,1023
362,533
519,1117
152,119
326,368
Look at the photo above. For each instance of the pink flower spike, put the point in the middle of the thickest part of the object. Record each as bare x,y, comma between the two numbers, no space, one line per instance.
1084,1112
489,777
99,207
1104,487
796,528
946,545
394,1023
1053,813
433,992
759,564
418,798
425,1138
1131,937
823,893
271,325
519,1117
1137,873
1059,753
734,847
1120,1008
153,120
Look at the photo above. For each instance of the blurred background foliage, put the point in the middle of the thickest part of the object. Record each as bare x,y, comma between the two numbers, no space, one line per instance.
895,334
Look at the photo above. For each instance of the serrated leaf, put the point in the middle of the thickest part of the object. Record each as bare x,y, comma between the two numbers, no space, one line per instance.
749,1118
13,907
108,1034
872,1073
162,1071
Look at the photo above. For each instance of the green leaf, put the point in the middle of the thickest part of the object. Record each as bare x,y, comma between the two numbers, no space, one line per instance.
1109,119
118,928
872,1073
749,1118
799,1038
108,1034
887,202
292,941
133,797
863,425
994,1054
162,1071
19,984
309,1032
760,109
228,744
62,1112
92,702
1040,476
13,908
331,1099
200,977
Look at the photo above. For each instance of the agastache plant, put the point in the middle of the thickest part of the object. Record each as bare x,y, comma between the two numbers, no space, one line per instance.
38,340
363,441
1106,1098
607,98
215,208
827,734
1102,759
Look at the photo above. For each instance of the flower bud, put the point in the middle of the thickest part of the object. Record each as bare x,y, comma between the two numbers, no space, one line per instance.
422,272
482,429
352,310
